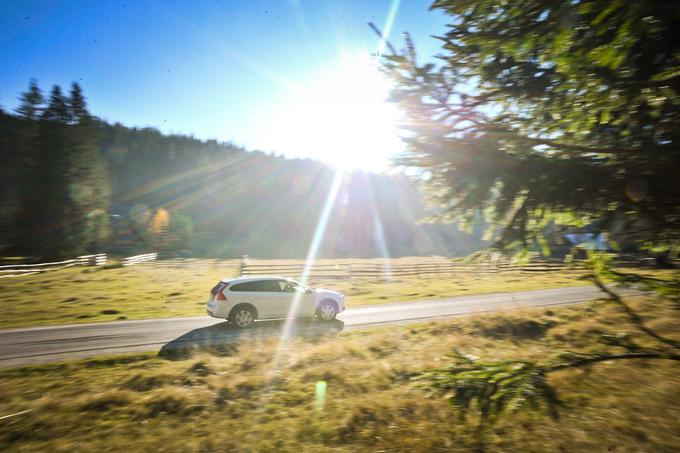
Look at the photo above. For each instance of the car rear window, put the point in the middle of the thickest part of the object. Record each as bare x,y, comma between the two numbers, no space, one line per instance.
219,287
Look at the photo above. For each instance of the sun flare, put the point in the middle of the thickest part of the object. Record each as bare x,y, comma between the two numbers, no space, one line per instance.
343,118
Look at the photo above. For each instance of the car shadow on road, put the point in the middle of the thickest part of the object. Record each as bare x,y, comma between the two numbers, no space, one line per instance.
223,338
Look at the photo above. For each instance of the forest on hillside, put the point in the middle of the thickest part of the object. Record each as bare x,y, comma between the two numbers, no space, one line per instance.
74,184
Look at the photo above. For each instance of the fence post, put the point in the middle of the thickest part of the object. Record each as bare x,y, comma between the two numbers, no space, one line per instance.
244,265
385,271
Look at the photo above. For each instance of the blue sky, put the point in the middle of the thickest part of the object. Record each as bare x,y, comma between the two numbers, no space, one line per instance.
214,69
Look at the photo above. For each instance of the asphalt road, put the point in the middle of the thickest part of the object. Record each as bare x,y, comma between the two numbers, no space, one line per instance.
56,343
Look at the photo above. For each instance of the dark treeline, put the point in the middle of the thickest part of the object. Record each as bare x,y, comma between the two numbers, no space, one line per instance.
54,181
74,184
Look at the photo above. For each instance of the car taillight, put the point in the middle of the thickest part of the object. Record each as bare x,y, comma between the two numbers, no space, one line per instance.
217,287
217,291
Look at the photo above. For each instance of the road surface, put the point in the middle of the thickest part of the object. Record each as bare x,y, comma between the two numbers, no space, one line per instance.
56,343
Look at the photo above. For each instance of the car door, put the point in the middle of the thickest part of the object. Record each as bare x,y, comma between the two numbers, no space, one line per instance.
245,293
305,299
273,302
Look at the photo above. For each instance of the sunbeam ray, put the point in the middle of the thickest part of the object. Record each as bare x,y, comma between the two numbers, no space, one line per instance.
379,233
313,251
387,29
309,263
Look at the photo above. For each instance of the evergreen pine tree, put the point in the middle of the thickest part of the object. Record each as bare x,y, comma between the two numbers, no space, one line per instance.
57,109
77,105
52,222
31,102
24,157
89,181
10,203
544,111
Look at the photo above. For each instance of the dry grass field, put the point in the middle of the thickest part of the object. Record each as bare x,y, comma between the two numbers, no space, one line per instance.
232,399
159,290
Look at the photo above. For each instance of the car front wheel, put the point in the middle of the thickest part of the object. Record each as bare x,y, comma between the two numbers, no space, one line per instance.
327,311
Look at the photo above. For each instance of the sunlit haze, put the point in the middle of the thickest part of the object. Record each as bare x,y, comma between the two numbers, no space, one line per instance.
293,78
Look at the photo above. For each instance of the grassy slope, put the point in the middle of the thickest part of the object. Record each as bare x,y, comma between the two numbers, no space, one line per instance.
225,401
91,294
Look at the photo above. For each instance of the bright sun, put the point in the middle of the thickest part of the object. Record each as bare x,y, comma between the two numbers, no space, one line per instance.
343,118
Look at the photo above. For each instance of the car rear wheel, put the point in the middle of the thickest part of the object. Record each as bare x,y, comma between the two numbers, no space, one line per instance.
327,311
242,317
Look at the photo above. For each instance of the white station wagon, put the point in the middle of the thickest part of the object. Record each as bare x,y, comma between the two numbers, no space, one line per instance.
245,299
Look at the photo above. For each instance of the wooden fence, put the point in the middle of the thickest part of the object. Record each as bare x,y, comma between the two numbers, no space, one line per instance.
323,270
18,270
139,259
100,259
229,268
387,270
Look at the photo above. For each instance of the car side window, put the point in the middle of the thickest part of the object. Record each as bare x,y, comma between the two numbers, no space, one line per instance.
291,287
246,287
264,286
270,286
282,286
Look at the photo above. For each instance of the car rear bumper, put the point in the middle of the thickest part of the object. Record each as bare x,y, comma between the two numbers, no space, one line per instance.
218,309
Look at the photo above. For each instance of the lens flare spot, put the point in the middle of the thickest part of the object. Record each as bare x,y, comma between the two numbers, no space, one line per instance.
320,400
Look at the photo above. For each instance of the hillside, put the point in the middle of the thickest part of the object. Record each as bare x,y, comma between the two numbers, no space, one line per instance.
212,199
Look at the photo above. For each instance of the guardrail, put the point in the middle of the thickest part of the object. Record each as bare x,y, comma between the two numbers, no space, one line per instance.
18,270
139,259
